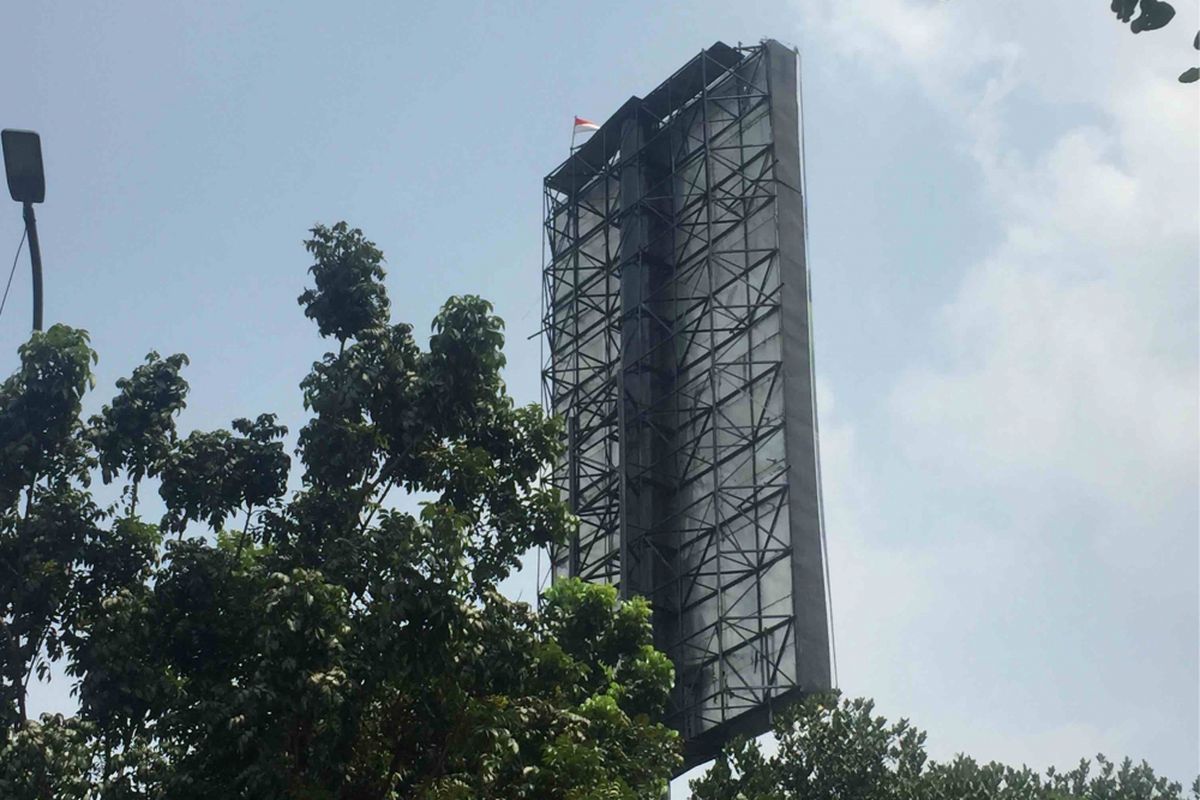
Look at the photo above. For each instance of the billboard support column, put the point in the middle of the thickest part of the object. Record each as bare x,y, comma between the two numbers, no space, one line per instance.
640,390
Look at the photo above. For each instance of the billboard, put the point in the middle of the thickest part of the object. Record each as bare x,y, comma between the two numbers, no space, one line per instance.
678,350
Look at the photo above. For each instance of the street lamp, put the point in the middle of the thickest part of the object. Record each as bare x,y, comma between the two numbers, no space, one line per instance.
27,185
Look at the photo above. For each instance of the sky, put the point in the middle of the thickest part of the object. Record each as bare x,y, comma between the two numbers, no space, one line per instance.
1004,213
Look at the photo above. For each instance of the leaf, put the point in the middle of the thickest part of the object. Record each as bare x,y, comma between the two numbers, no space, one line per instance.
1155,14
1124,9
1190,76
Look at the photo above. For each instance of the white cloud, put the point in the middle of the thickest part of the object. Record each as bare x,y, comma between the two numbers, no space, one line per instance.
1071,349
1053,433
873,586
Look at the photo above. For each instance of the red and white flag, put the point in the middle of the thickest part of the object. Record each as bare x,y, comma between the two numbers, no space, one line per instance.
585,125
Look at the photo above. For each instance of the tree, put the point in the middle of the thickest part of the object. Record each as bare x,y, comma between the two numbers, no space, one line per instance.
318,643
831,749
1152,15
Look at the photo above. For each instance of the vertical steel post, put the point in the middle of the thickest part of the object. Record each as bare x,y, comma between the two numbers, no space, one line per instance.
633,379
573,480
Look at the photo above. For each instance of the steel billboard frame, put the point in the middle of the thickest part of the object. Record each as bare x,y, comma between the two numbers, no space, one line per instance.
675,237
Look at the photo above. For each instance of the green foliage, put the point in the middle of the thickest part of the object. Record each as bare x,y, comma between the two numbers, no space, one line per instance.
48,758
349,298
1151,16
39,412
831,750
137,430
210,475
325,645
1193,74
47,519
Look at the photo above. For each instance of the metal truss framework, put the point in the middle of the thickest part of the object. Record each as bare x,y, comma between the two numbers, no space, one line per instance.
675,255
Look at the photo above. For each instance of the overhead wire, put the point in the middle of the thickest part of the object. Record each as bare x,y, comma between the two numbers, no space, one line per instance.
12,271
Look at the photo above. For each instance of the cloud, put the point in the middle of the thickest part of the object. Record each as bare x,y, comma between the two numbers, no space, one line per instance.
1051,433
1063,347
1070,351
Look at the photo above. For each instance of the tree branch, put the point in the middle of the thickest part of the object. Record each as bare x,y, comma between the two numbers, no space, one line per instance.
245,529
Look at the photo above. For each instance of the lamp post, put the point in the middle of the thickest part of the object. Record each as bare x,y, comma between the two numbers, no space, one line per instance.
27,185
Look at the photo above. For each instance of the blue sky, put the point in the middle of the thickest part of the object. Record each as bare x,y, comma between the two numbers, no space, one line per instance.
1004,215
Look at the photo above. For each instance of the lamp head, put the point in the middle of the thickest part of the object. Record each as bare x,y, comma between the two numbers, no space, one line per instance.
23,166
